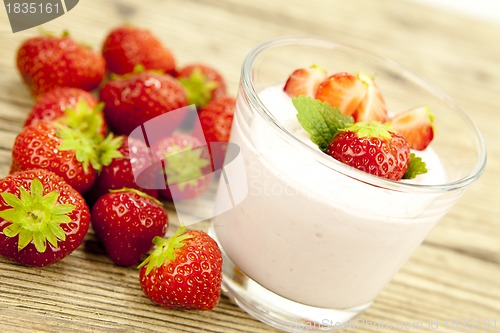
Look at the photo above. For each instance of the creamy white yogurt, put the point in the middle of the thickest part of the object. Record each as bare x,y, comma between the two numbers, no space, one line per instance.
310,233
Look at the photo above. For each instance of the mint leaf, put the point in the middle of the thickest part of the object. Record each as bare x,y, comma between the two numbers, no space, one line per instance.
417,167
321,120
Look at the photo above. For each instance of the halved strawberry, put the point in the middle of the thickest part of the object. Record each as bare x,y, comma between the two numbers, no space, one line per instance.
342,90
372,107
416,126
305,81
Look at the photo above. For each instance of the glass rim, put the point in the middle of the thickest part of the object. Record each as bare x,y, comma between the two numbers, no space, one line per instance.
362,176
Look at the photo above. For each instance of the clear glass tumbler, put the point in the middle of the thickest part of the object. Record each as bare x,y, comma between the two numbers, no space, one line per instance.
314,241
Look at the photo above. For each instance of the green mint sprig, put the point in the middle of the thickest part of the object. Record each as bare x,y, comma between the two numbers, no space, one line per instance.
321,120
416,167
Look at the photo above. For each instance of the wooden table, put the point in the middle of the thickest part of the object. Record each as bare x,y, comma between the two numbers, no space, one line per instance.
454,275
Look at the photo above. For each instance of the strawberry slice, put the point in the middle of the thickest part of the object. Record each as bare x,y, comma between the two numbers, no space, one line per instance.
342,90
372,107
416,126
305,81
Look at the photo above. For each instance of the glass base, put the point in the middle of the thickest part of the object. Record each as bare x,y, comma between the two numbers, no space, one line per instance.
277,311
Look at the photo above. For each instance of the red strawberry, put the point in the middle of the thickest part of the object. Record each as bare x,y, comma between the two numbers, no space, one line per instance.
126,221
372,107
373,148
416,126
134,99
342,90
127,46
187,166
67,152
73,106
202,83
51,105
47,62
184,271
120,172
216,119
42,218
305,81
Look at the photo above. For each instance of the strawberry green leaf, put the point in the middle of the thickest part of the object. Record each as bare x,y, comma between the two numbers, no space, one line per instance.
416,167
35,217
36,188
51,199
82,117
24,195
322,121
164,251
83,146
12,200
11,215
184,166
107,150
371,129
198,88
25,237
94,151
61,209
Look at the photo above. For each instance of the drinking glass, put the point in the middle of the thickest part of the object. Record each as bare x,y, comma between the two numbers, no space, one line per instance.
314,241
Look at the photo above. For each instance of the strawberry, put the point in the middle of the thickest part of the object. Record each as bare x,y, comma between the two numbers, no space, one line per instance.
126,221
133,99
127,46
372,106
51,105
65,151
73,106
305,81
416,125
373,148
46,62
202,83
184,271
368,146
342,90
186,166
120,172
216,119
42,218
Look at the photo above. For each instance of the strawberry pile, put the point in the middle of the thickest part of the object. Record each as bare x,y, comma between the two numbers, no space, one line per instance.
347,118
73,162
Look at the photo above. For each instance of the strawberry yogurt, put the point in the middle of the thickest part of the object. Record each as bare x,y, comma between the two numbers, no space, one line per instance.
315,231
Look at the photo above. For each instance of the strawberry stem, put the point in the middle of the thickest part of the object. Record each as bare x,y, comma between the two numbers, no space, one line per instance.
165,249
371,129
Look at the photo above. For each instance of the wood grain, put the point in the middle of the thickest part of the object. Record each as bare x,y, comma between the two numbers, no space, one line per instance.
454,275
